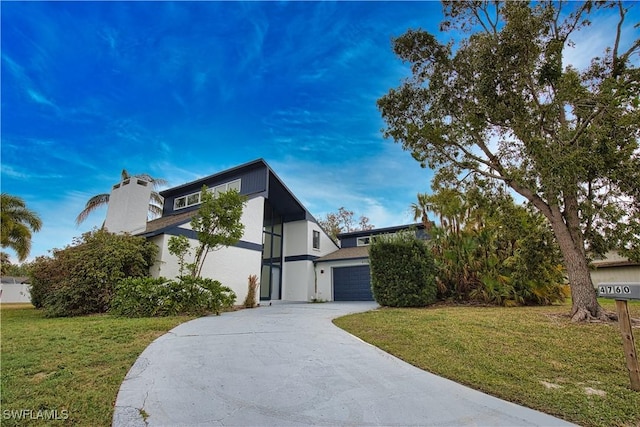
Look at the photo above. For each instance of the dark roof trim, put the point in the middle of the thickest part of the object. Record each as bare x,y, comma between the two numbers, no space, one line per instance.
177,231
376,231
15,280
609,264
300,258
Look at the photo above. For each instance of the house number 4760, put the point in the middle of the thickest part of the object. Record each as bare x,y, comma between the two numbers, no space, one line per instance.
615,290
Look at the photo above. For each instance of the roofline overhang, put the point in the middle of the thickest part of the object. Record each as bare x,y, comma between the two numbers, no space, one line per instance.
385,230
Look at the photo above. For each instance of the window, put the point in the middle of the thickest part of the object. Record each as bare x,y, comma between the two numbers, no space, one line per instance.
179,203
233,185
186,201
316,240
363,241
194,198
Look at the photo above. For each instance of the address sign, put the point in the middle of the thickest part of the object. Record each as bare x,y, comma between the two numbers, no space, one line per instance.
619,290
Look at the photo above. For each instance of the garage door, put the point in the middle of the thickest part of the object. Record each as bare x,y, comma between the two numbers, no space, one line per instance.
352,283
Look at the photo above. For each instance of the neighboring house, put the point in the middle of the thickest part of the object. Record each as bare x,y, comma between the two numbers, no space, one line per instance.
344,275
14,289
614,268
280,242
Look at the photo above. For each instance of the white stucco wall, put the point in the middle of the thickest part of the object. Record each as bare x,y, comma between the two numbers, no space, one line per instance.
298,279
252,218
231,266
616,274
14,292
163,266
605,270
299,239
324,274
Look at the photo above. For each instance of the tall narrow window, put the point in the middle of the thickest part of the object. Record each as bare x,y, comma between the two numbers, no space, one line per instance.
271,281
316,239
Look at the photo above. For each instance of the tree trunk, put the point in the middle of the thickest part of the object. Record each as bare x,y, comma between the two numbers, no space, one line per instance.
583,294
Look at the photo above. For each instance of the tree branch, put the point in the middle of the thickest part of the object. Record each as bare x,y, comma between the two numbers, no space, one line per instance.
584,125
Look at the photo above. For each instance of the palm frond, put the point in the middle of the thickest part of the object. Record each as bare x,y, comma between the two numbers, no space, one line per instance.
157,199
15,209
94,203
155,211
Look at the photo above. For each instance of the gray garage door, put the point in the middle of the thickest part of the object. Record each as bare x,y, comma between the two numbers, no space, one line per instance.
352,283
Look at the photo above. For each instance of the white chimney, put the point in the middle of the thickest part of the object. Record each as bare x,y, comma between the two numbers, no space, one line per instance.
128,206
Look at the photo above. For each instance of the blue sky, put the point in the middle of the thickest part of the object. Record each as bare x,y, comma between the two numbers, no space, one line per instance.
184,90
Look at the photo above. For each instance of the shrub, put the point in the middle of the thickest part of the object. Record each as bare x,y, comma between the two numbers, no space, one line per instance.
81,278
402,271
492,250
215,296
47,274
149,297
250,300
139,296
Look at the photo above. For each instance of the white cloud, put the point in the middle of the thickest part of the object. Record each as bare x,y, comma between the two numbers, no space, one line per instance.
381,186
591,41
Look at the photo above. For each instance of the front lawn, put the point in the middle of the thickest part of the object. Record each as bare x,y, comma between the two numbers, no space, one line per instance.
68,368
532,356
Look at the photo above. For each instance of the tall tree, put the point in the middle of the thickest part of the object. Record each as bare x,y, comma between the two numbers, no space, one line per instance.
18,222
342,221
500,103
99,200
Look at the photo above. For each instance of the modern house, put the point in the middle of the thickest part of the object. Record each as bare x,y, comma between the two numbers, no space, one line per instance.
283,244
280,243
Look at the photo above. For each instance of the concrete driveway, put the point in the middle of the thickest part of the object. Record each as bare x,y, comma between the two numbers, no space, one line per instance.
287,364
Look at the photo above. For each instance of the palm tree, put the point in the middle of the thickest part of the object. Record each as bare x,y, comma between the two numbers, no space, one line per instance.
155,203
18,223
5,263
421,209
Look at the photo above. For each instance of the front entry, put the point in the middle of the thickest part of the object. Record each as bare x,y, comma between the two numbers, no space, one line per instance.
271,282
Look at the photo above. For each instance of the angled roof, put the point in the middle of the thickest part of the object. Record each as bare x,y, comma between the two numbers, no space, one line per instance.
156,226
376,231
15,279
271,187
358,252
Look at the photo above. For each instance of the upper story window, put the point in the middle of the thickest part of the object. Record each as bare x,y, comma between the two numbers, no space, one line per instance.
316,239
363,241
195,198
233,185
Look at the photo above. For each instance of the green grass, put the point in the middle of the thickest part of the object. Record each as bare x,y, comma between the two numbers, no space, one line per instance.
70,365
533,356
